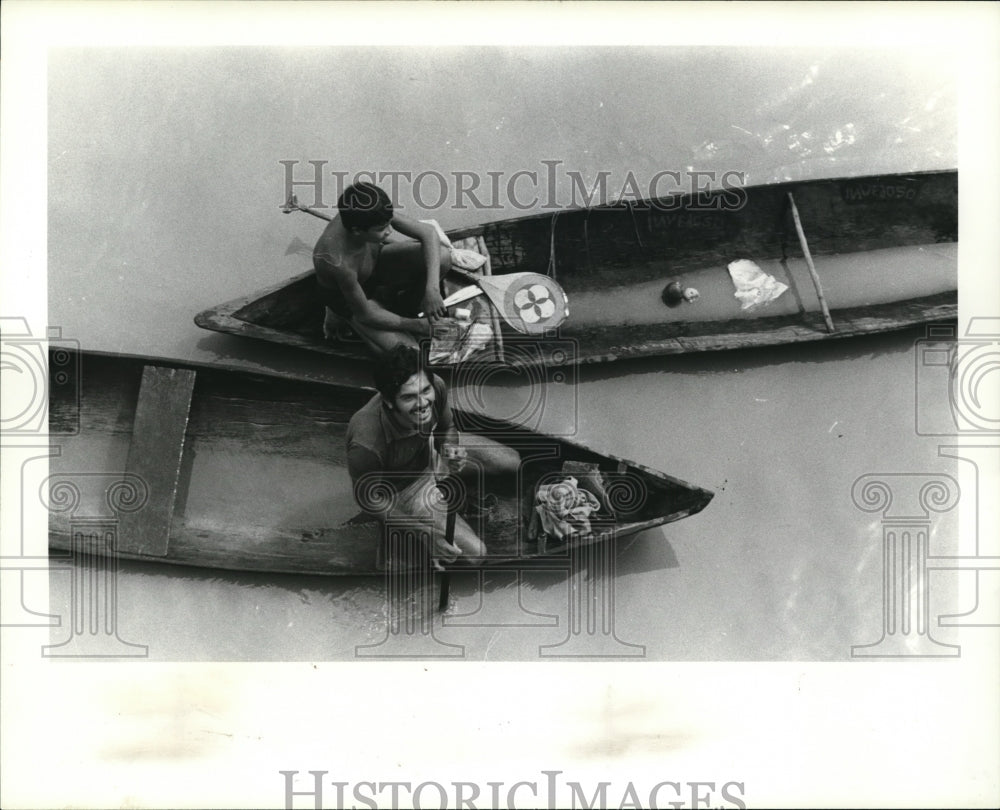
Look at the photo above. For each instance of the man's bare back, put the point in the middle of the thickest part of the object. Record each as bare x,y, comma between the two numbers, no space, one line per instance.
332,257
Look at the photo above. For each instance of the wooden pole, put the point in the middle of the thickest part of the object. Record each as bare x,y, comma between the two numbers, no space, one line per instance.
809,263
449,537
446,574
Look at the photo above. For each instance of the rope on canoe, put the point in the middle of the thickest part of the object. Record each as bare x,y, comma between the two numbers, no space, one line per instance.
635,225
551,271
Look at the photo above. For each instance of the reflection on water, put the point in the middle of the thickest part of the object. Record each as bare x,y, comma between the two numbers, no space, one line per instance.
780,566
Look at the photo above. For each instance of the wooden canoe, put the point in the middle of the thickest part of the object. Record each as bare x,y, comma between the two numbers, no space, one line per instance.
220,468
884,249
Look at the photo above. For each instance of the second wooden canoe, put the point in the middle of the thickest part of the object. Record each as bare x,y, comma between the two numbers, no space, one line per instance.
218,468
885,250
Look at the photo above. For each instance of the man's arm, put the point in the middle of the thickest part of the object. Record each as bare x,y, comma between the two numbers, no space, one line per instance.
370,312
432,304
365,469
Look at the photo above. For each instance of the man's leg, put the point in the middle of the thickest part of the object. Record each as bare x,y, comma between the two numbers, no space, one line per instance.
473,549
381,341
422,500
398,286
494,459
399,278
334,325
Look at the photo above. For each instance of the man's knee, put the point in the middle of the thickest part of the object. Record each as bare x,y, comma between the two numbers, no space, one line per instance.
508,460
492,457
472,548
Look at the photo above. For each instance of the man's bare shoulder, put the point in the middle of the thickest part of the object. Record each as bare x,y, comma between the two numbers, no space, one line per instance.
330,243
330,255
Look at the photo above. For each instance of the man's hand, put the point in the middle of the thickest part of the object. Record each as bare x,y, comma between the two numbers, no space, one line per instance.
440,328
455,456
432,305
443,328
442,550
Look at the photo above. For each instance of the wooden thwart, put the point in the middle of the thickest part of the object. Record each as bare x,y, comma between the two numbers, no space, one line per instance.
494,313
161,418
809,263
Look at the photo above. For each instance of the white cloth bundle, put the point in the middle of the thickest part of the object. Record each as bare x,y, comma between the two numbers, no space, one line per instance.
754,287
460,257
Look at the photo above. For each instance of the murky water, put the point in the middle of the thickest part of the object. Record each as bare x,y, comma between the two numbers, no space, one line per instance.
165,184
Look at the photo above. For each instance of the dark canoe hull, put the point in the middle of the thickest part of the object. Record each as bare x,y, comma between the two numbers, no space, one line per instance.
251,474
885,248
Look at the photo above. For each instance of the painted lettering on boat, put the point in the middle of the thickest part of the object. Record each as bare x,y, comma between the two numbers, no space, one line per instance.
862,192
691,220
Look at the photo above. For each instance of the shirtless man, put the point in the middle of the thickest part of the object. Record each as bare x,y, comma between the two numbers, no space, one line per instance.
397,440
375,286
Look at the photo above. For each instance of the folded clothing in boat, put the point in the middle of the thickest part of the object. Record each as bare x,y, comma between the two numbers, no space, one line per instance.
754,287
565,508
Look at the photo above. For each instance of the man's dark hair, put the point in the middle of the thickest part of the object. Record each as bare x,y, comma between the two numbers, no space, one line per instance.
364,205
394,368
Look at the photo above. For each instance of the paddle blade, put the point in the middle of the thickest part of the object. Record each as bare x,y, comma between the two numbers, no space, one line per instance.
531,303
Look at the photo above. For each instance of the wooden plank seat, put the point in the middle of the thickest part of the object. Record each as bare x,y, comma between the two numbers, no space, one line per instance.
154,456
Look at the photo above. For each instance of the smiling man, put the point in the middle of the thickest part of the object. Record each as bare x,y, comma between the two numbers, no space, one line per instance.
375,286
397,439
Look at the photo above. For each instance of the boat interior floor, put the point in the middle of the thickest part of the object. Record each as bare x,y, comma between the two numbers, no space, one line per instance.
849,280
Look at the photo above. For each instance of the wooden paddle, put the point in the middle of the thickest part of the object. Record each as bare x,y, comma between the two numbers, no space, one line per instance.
530,302
292,204
449,537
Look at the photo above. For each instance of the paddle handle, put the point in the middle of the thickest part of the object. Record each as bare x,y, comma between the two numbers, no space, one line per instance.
293,205
809,263
449,537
